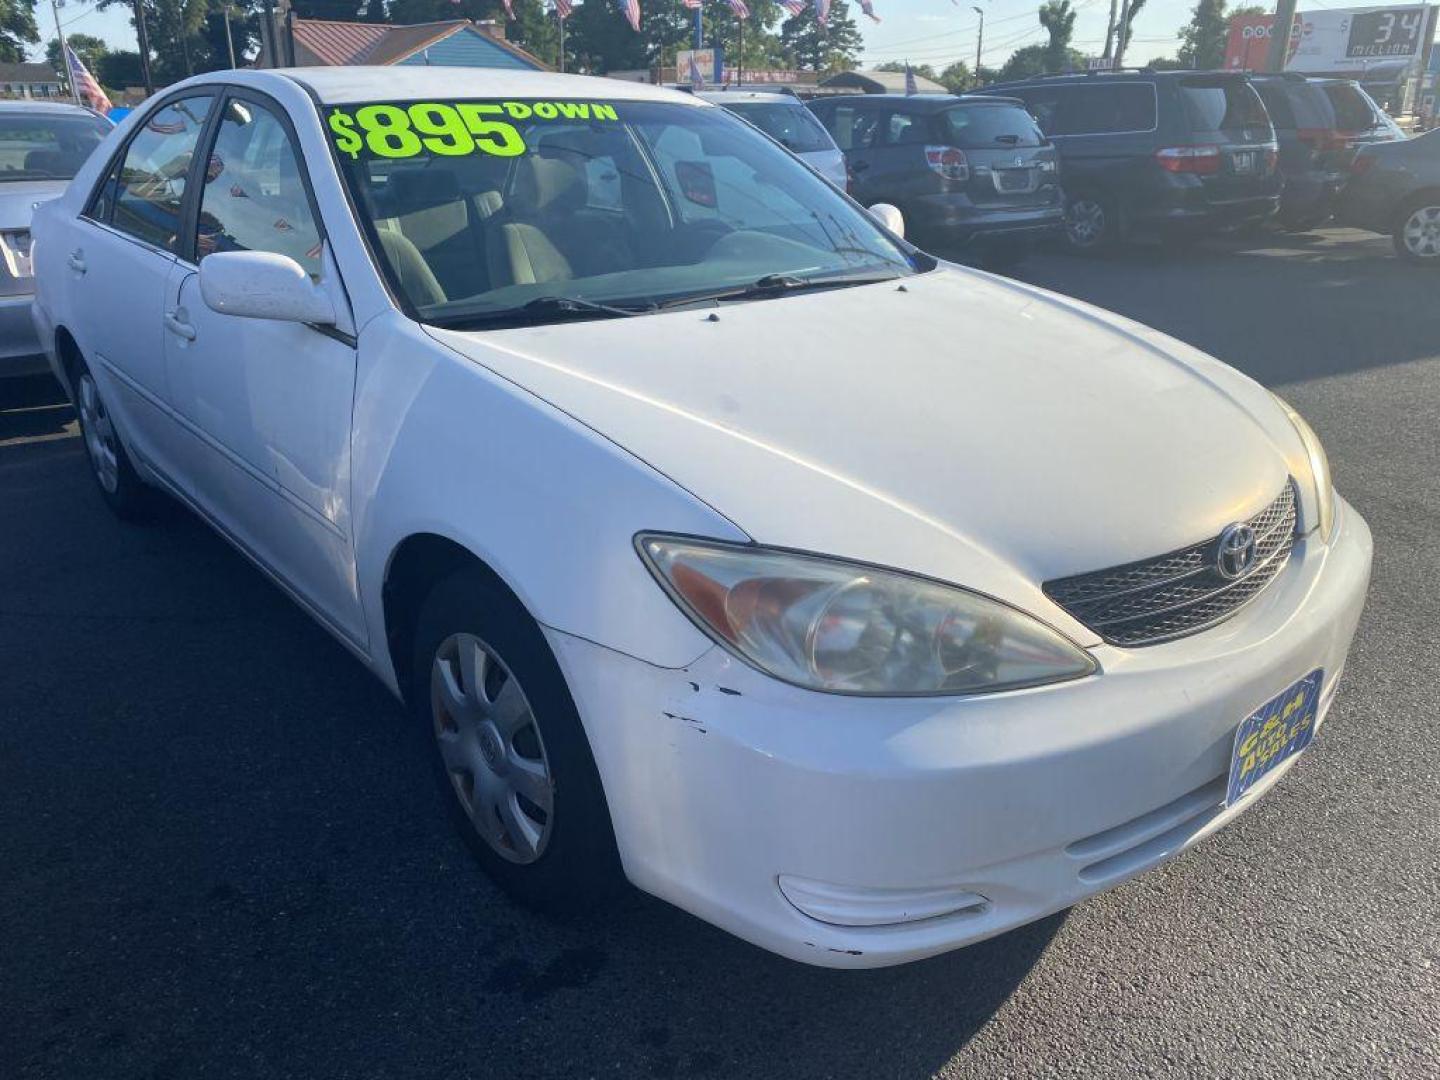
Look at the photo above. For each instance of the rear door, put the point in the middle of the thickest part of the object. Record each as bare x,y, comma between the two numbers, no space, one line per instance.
1011,162
1104,132
1225,112
854,125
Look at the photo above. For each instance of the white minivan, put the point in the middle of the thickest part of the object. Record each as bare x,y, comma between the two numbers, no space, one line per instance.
864,605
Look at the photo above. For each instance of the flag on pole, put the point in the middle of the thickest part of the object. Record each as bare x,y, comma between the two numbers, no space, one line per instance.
509,11
822,11
910,87
794,7
631,9
868,7
697,80
85,84
739,8
563,8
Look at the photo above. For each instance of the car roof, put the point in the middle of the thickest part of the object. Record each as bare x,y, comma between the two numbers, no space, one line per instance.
1091,78
345,85
770,97
46,108
922,102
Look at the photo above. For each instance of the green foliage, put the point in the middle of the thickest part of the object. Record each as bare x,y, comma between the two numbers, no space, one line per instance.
1034,60
88,48
956,78
1058,19
807,46
1166,63
17,29
117,70
1202,39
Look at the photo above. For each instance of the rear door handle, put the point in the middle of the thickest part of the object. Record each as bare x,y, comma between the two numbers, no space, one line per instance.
77,261
176,324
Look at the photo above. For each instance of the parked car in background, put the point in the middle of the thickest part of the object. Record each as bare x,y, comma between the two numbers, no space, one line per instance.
1315,152
1394,188
1359,115
41,147
964,171
1178,153
785,119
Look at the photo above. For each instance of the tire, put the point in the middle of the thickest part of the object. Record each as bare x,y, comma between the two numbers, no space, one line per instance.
129,497
508,748
1417,231
1091,223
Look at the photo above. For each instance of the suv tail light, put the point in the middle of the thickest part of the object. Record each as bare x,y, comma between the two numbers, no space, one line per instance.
948,162
1201,160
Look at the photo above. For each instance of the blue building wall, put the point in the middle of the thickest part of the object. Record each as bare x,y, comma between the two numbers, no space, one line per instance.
467,48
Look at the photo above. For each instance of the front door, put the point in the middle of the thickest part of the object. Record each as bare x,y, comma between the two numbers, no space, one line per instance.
266,404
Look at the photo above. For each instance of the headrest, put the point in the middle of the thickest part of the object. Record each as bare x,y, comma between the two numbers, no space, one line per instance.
547,184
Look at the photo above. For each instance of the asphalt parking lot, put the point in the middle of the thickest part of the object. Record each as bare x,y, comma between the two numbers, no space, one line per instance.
221,852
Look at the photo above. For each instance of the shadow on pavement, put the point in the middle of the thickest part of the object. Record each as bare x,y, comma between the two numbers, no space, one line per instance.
33,406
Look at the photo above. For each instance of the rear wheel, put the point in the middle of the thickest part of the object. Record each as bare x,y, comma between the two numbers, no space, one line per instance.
510,752
123,490
1417,231
1090,223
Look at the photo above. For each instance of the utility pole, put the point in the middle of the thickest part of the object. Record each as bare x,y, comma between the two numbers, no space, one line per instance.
65,53
1122,35
1280,36
142,38
230,41
562,39
979,42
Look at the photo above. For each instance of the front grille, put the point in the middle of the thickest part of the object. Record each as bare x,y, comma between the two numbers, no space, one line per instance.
1154,600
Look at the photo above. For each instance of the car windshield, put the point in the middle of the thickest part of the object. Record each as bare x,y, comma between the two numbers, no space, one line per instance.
478,208
41,147
790,124
987,127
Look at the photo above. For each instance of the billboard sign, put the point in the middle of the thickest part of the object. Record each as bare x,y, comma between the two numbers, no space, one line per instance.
1351,41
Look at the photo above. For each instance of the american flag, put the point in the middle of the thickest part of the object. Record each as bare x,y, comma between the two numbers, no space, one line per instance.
696,79
631,9
563,8
868,7
910,87
693,5
509,11
794,7
85,84
739,8
822,11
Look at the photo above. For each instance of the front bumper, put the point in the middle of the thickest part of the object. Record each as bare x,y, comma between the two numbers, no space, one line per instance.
20,351
722,781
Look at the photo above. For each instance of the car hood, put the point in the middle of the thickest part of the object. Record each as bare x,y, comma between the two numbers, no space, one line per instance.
956,425
18,199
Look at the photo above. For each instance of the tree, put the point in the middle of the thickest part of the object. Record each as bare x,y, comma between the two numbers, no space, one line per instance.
120,69
182,40
1033,60
922,71
956,78
89,49
806,45
1123,31
1202,39
17,29
1058,19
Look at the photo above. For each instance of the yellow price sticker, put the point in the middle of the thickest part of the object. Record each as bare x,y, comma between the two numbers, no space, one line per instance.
449,129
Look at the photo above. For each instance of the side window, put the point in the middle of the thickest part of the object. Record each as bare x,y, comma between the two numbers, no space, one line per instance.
254,197
602,183
146,194
902,129
1120,107
1044,105
852,128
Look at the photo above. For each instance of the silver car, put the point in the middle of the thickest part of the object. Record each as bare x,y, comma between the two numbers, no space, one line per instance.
42,144
785,119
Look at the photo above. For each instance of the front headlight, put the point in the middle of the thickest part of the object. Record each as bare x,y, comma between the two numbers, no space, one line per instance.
1319,470
849,629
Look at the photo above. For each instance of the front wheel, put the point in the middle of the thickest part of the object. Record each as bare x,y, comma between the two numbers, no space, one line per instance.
1417,232
509,750
1091,223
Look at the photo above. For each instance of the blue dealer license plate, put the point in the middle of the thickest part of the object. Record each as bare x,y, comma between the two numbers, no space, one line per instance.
1274,733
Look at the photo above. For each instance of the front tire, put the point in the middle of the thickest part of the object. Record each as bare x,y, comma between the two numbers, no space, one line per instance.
120,486
1417,232
1091,223
508,748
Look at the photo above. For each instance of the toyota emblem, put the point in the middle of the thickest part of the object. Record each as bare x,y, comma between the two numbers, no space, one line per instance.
1235,554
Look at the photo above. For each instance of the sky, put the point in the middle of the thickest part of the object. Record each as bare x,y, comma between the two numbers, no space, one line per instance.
934,32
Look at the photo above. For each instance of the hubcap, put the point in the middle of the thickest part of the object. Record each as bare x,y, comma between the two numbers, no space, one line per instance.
491,747
1422,232
1086,221
99,435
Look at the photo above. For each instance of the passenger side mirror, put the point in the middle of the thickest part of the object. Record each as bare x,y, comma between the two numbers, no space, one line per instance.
263,285
890,217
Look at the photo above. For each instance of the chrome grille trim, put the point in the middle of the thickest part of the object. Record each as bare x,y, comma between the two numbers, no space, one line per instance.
1179,593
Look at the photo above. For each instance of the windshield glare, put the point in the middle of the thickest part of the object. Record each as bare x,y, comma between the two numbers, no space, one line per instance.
47,147
631,204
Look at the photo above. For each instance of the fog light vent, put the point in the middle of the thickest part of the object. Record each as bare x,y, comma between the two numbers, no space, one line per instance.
852,905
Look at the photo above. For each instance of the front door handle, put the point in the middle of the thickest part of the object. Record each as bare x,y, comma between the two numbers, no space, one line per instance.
77,261
176,324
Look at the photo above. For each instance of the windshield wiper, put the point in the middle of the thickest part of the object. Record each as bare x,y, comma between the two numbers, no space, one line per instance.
777,285
545,309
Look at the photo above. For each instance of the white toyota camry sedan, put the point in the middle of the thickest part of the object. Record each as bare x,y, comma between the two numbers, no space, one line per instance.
861,604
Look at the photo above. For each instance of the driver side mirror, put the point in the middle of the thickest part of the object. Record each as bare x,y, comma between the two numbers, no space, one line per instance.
889,217
263,285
